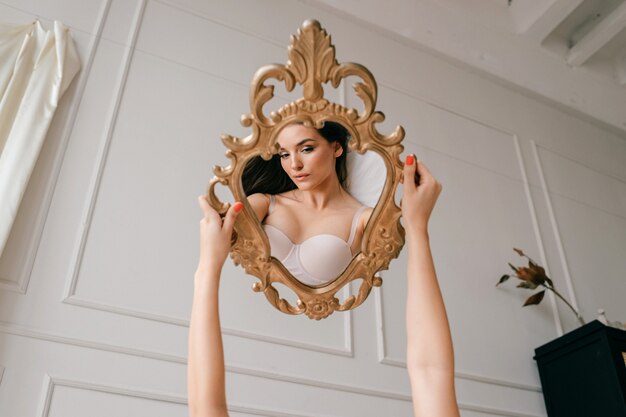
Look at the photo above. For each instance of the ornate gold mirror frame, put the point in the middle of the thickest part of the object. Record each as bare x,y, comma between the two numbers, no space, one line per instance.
312,63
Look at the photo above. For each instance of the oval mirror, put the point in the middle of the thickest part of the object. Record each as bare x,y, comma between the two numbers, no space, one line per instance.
368,223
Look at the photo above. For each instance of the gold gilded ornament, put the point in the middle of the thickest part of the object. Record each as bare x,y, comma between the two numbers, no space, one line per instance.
312,63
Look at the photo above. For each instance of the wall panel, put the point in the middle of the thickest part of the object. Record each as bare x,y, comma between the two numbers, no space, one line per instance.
589,223
96,283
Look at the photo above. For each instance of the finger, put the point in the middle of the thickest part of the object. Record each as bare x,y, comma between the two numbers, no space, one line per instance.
418,177
423,170
425,175
204,204
208,211
231,215
409,173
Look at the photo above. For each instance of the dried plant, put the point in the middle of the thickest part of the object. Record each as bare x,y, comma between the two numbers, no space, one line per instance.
532,277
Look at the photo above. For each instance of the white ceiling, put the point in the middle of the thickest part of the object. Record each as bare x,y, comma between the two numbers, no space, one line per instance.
572,52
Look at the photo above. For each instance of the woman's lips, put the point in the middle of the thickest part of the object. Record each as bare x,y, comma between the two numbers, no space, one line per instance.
300,177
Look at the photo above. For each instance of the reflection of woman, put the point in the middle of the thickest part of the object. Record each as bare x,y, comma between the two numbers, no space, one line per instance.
313,224
430,360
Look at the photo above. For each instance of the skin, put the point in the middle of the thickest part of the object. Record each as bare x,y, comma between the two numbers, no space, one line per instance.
205,373
430,360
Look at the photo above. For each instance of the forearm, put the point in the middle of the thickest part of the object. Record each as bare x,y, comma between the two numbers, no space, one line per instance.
206,375
429,343
430,358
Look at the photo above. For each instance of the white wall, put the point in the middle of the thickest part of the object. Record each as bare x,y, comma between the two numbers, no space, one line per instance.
96,281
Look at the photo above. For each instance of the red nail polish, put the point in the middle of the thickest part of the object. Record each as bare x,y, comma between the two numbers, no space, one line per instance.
238,206
410,160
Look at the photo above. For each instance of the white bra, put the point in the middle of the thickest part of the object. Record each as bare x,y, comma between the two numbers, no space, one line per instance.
317,260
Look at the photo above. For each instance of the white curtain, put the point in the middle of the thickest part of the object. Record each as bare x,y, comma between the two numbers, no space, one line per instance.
36,67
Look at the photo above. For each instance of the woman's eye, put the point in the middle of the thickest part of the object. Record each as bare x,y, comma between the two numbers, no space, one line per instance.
283,155
307,149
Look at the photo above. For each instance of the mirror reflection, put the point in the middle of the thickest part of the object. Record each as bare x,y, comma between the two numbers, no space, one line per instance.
303,197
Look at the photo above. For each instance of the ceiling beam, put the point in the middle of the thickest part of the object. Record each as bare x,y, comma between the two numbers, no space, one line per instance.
503,55
539,29
599,36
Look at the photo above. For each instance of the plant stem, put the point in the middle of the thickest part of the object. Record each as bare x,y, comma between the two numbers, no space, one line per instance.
578,316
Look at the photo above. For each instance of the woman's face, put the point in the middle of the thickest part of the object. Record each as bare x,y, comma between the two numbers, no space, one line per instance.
306,156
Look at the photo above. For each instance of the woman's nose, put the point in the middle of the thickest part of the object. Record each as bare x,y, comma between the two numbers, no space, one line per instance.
296,163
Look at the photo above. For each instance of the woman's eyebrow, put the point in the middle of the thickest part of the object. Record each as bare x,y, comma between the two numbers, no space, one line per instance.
302,142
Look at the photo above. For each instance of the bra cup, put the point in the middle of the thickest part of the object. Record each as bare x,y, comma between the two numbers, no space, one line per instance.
280,244
317,260
324,257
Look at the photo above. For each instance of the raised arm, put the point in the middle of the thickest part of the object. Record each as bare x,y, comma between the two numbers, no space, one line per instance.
205,366
430,358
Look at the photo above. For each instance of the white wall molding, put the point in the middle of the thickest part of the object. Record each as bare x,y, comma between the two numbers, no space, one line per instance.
583,164
538,239
555,228
18,286
380,326
494,411
496,381
346,351
21,284
96,178
15,330
21,331
265,412
49,382
43,410
468,376
378,393
323,384
368,391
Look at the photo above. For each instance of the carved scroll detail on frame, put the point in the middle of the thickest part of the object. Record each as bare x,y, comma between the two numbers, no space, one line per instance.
311,64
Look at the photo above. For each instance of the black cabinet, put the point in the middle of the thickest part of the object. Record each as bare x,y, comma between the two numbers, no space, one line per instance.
583,373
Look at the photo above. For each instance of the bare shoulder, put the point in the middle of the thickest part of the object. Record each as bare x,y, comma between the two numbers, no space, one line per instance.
260,203
287,195
365,217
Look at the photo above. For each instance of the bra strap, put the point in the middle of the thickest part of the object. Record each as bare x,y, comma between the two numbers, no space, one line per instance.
355,223
272,205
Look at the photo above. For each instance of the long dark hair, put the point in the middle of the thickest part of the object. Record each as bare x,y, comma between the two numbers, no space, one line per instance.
269,177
